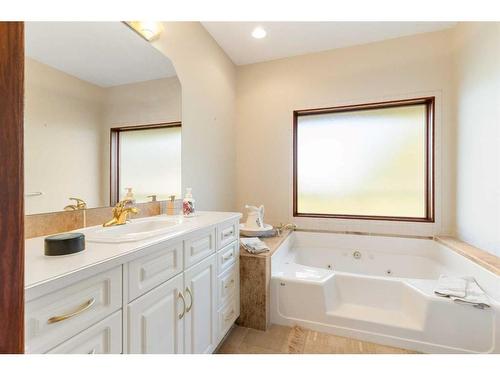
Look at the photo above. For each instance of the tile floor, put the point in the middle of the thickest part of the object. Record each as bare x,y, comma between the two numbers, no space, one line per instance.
296,340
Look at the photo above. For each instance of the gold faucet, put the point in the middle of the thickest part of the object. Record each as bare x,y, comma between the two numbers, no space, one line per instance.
281,228
121,212
80,205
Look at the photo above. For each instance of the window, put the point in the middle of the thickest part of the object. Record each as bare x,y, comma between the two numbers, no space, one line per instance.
146,158
370,161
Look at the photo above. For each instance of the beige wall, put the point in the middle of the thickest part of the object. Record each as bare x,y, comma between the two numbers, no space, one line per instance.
141,103
477,78
208,80
62,120
267,94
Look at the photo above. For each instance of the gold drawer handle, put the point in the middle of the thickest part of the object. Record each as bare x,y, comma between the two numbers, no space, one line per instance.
227,257
230,316
181,315
85,306
188,291
231,282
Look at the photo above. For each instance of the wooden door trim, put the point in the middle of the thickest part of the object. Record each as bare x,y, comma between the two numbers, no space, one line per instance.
12,187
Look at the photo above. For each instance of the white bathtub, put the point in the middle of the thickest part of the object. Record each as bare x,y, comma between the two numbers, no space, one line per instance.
385,296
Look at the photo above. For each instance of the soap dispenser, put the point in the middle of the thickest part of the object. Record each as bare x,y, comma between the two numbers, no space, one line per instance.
188,204
171,205
130,195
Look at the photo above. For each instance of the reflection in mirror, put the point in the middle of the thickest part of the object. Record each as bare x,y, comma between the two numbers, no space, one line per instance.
141,152
87,86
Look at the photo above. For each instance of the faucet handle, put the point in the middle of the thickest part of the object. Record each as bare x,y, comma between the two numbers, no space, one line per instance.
153,197
282,227
124,202
80,203
120,206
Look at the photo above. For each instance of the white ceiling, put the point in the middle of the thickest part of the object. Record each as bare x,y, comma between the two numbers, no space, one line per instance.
286,39
103,53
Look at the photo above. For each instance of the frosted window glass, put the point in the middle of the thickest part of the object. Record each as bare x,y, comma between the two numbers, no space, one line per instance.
369,162
150,162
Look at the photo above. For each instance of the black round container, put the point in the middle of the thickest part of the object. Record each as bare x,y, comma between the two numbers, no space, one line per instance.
64,244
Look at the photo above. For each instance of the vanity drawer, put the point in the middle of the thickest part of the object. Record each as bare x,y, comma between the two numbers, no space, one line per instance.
228,284
227,256
104,337
227,233
227,316
59,315
154,269
199,246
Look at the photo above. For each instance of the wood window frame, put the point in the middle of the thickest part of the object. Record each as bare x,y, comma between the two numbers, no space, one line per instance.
429,103
114,168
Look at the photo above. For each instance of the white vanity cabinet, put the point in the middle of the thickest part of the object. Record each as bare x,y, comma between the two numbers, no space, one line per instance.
193,304
180,295
155,320
201,299
228,277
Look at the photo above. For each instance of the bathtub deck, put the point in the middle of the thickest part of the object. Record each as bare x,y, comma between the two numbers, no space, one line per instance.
287,340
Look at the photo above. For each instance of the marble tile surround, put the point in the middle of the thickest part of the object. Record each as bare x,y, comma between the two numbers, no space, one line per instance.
51,223
486,260
65,221
255,285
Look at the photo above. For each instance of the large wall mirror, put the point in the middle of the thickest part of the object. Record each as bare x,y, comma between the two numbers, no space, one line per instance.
102,115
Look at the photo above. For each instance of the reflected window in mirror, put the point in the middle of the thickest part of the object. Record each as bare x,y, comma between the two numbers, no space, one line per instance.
146,159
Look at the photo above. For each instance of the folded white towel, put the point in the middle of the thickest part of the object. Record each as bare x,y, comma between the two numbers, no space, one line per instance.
462,290
448,286
254,245
474,295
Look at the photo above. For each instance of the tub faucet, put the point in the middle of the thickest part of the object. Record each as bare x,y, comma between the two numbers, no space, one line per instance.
282,227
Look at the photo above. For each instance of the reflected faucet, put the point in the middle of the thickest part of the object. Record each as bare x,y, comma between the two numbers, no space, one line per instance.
80,205
121,212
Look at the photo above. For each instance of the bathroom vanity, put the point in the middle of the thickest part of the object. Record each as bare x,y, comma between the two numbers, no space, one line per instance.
175,291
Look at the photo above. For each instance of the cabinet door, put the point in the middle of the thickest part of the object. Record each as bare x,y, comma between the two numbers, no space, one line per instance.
155,320
201,312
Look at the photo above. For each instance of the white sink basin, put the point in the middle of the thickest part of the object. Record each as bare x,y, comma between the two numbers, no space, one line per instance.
135,230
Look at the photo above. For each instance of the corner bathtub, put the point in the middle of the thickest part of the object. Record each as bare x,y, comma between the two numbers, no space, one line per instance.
380,289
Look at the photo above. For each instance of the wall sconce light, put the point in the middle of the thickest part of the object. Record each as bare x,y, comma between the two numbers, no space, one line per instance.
149,30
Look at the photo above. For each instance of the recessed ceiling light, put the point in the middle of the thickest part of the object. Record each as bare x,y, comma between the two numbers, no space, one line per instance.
147,29
259,33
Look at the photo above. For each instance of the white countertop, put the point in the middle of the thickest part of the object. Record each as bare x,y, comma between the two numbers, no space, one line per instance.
41,269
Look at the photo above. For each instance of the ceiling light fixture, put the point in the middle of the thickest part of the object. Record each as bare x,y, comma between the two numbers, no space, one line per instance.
259,33
149,30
